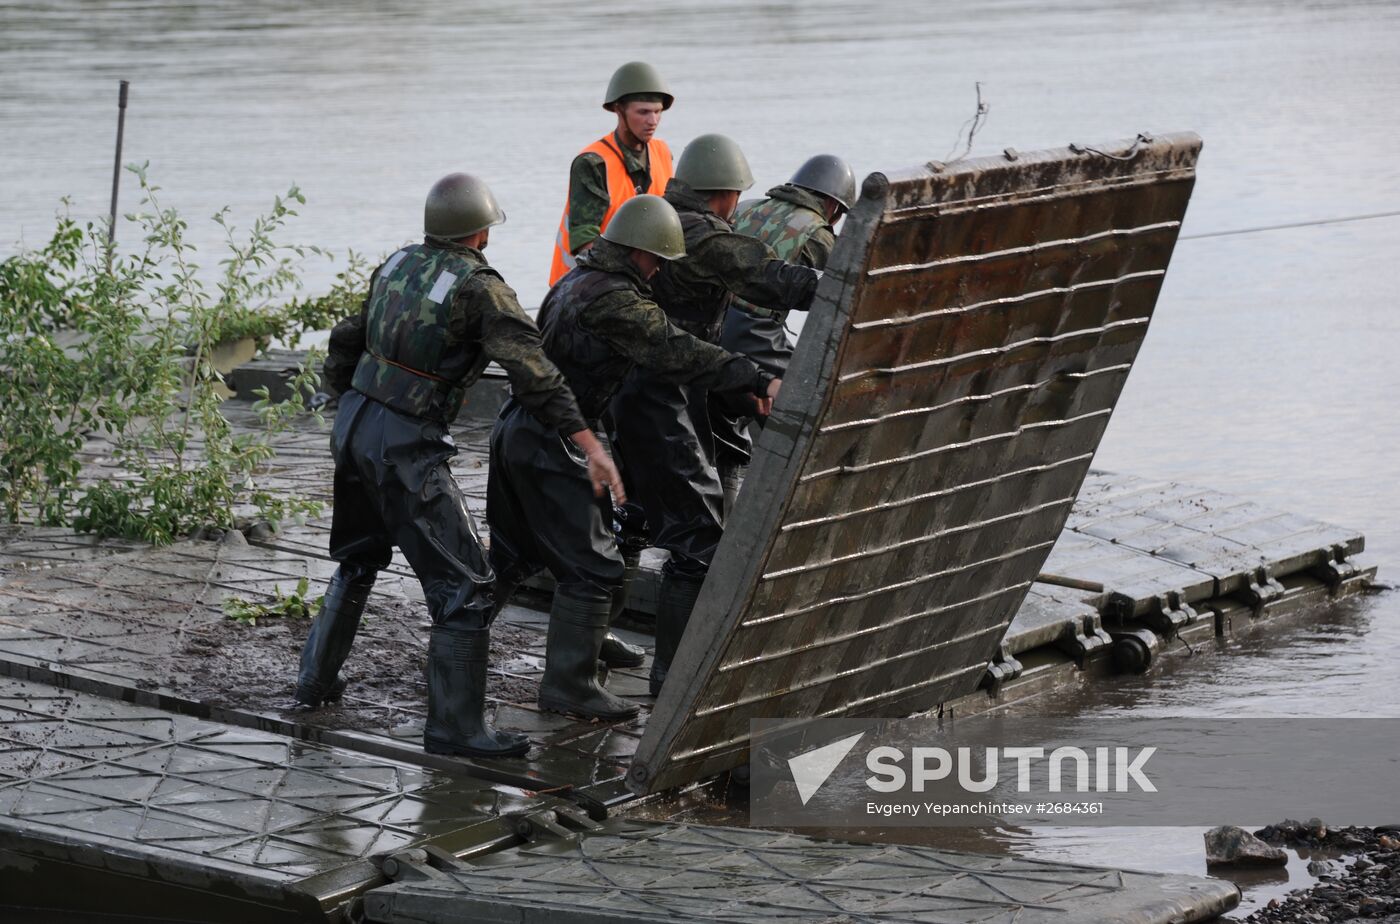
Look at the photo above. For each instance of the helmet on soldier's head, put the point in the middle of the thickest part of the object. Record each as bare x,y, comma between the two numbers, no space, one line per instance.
830,176
647,223
459,204
714,162
636,78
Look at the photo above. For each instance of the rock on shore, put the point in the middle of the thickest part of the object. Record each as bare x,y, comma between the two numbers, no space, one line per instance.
1231,846
1361,885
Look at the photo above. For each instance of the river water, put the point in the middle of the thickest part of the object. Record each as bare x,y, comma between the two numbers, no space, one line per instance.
1269,370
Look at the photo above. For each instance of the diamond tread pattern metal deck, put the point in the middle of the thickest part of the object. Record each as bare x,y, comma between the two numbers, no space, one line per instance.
280,819
635,872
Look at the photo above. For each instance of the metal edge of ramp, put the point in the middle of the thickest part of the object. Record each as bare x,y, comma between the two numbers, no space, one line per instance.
994,367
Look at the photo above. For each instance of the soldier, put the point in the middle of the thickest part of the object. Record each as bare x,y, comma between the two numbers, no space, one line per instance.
796,220
435,315
627,162
598,323
662,427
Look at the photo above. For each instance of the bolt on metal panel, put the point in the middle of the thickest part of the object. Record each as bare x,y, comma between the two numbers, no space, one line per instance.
970,338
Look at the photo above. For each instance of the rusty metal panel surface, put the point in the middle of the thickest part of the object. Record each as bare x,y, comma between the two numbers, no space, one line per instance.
973,331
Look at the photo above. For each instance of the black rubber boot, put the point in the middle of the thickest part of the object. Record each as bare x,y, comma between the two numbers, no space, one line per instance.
731,479
614,651
673,606
457,698
328,643
578,620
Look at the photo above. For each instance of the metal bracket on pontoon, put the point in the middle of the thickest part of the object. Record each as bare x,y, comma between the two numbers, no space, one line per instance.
1079,642
1334,567
1003,667
1261,589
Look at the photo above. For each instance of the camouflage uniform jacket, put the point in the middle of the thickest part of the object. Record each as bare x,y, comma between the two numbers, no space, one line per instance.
436,314
598,322
588,190
792,221
719,264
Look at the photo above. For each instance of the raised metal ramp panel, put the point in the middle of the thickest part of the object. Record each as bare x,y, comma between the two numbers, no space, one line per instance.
636,872
974,329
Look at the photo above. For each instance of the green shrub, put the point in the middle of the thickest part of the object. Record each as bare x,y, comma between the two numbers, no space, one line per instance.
95,342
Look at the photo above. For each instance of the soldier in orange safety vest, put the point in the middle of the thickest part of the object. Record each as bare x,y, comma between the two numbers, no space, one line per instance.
627,162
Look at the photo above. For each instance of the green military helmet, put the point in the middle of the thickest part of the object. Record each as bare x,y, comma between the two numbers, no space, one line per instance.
830,176
714,162
636,78
460,204
647,223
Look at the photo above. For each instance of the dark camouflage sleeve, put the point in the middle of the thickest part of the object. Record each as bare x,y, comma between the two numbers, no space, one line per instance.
747,267
511,339
637,328
818,248
588,200
346,345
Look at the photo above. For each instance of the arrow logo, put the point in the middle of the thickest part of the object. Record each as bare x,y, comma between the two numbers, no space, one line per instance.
810,770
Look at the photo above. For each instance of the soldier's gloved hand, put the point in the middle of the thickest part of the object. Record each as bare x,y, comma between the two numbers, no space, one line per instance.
764,403
601,470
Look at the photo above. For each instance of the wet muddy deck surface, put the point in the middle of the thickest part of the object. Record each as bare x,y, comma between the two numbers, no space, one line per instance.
121,618
103,642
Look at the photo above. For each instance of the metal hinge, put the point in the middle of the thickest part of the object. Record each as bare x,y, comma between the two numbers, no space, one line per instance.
1003,667
1334,568
563,822
417,864
1166,612
1081,641
1261,589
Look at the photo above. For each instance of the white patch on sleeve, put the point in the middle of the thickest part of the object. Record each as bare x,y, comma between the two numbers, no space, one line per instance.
392,262
444,284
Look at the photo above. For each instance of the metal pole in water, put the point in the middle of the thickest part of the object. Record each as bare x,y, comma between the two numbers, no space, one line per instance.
117,165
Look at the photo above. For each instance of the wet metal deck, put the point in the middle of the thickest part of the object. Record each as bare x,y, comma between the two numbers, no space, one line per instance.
163,814
107,613
107,617
114,625
634,872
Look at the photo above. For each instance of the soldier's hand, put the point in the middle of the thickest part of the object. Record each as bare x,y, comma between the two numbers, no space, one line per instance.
601,470
764,403
604,475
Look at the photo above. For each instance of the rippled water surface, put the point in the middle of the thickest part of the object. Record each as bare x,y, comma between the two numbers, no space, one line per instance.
1271,367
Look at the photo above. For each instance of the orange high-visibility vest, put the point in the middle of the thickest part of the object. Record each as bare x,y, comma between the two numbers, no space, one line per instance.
620,189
